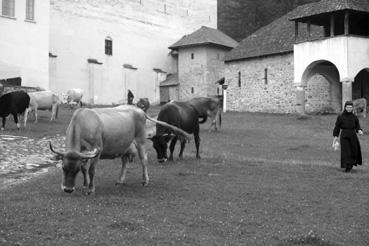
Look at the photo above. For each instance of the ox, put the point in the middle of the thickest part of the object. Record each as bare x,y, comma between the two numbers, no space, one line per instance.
75,96
43,100
102,133
13,103
144,104
179,114
208,107
359,106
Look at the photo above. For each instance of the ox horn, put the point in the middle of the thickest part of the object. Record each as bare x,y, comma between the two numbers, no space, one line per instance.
177,131
56,152
90,154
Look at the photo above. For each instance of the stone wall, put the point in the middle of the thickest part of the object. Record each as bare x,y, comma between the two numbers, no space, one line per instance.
201,72
274,94
267,86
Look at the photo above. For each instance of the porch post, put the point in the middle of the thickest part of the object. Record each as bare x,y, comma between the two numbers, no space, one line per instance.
300,99
346,91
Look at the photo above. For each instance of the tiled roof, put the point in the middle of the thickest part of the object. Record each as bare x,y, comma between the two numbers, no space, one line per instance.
276,38
172,80
327,6
204,36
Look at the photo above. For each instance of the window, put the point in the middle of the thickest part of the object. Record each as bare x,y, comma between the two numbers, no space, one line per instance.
30,9
266,76
108,46
239,79
192,56
192,90
8,8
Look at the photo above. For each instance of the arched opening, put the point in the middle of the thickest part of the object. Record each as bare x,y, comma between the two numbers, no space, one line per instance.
360,87
323,90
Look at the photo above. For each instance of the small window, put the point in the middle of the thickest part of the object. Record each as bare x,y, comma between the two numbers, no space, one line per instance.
192,90
192,56
218,91
108,46
239,79
30,10
8,8
266,76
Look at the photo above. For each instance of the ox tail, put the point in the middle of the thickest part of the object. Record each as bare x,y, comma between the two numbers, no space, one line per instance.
176,130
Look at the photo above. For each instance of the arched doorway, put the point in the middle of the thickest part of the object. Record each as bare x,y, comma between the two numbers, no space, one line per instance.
323,90
360,87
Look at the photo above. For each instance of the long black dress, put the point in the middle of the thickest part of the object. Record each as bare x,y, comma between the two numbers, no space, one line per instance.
348,124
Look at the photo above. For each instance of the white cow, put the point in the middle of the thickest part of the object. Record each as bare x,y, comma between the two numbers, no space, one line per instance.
43,100
75,96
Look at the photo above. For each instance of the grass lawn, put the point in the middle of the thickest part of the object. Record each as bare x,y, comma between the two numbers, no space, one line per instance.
264,179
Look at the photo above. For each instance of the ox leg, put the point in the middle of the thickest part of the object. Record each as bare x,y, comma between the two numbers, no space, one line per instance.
123,171
91,174
84,173
3,124
143,159
183,145
15,116
197,143
171,147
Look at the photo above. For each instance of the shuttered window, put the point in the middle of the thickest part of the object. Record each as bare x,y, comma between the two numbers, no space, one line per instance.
8,8
108,46
30,9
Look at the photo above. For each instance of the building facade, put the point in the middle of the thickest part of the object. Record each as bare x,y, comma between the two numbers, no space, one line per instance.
24,42
107,47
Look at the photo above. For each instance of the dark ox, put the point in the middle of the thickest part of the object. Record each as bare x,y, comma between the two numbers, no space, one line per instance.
13,103
179,114
208,107
144,104
104,133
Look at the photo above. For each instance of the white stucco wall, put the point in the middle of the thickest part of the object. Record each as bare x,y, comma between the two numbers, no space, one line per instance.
348,53
24,45
141,35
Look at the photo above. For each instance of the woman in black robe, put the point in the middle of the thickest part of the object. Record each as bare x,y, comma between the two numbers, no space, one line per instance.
348,125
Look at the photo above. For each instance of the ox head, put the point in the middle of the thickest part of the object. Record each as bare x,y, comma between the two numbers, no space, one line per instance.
160,141
72,162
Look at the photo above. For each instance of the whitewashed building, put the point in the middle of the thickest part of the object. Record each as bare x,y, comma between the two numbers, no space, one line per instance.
24,42
107,47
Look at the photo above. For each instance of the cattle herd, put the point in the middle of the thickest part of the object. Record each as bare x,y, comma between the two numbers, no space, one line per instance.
113,132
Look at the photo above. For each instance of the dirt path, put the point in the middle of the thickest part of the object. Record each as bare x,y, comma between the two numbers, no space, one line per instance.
22,157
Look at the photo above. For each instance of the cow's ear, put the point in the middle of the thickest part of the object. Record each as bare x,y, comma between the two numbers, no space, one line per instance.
56,157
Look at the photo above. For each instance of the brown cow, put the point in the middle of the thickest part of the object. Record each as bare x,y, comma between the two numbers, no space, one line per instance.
208,107
359,106
103,133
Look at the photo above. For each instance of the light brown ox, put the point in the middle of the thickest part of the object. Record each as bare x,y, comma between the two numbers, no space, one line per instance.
104,133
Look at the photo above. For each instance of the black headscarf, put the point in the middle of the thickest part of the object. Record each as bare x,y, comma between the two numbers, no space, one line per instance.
344,108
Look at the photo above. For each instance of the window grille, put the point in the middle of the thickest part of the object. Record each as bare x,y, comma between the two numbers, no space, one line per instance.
108,46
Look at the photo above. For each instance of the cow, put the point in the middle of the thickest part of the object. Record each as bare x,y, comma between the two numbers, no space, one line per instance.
74,96
182,115
103,133
13,103
208,107
143,103
360,106
43,100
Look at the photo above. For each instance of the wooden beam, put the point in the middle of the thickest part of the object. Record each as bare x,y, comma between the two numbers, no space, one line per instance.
347,19
296,30
332,26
